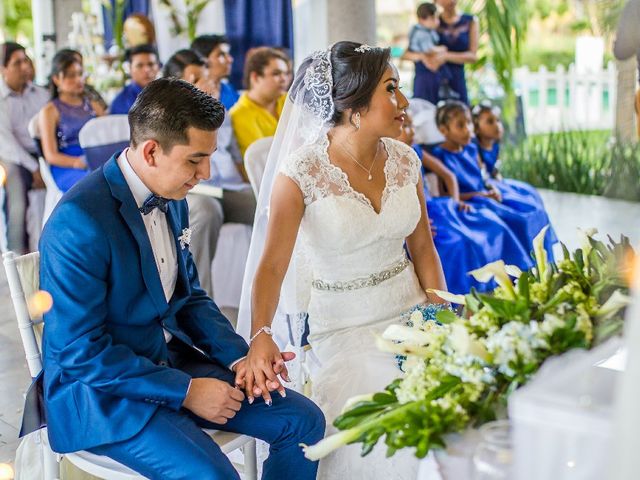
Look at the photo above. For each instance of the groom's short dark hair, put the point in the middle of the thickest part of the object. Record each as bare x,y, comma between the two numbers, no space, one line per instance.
167,108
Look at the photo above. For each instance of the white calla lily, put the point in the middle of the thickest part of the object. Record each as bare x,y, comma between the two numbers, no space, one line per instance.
614,303
464,344
327,445
495,270
449,297
401,333
401,348
349,404
540,253
513,271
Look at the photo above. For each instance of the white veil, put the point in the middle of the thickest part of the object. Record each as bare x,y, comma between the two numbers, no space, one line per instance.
305,118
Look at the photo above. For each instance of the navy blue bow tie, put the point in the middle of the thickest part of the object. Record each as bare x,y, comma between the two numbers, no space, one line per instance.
154,201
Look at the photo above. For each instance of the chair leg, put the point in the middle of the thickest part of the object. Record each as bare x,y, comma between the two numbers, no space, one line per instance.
250,461
50,459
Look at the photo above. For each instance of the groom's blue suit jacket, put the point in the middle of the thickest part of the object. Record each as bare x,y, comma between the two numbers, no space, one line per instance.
104,346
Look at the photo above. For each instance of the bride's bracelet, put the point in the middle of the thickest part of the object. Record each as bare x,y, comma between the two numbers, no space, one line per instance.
264,329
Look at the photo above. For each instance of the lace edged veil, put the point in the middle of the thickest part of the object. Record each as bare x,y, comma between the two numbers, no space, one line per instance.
306,117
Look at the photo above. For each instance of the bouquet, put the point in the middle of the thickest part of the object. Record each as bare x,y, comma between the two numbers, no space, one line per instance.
460,370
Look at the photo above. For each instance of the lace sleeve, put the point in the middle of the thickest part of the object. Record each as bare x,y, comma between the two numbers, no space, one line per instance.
301,167
406,165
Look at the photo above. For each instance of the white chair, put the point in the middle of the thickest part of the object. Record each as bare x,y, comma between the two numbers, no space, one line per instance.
103,136
54,194
424,122
23,278
255,161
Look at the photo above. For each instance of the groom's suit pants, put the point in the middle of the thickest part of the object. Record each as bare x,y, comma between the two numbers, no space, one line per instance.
173,446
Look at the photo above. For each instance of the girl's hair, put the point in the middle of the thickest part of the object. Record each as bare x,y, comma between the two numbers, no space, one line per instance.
447,110
180,60
356,75
60,64
480,108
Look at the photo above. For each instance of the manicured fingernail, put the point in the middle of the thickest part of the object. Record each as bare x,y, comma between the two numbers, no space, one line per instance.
268,402
282,393
250,400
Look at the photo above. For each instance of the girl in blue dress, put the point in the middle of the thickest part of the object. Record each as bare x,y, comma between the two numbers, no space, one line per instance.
465,237
488,134
61,119
524,217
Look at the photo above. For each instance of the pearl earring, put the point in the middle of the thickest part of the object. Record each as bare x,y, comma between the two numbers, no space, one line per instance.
357,121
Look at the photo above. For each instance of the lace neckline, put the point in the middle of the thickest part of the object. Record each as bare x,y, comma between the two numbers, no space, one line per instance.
344,178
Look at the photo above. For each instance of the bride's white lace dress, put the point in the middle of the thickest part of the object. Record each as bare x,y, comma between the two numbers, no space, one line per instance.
362,283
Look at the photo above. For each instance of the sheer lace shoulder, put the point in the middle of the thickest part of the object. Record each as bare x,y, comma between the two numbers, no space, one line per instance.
403,165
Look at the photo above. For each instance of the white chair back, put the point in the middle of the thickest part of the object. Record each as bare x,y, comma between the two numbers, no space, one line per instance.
255,161
54,194
23,277
424,122
103,136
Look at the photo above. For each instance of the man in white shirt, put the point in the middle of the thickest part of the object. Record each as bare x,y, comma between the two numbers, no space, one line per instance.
137,358
22,100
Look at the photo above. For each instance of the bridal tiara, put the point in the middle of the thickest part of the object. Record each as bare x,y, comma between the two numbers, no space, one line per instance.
363,48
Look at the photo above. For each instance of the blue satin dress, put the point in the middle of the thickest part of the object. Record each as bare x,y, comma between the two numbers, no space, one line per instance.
516,191
72,119
523,217
466,241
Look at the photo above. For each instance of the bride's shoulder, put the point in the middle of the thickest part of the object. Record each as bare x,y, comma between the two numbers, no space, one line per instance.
402,153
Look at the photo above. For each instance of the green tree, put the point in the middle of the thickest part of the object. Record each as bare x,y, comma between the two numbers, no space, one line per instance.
15,17
503,30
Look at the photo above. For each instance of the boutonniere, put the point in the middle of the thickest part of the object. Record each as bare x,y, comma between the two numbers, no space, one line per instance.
185,238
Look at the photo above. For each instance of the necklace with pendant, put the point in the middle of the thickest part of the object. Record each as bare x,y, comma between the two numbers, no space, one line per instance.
368,170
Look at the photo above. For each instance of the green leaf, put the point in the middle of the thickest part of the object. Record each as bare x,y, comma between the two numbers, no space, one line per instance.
446,316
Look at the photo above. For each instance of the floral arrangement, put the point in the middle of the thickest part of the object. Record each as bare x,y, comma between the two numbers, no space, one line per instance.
460,370
193,9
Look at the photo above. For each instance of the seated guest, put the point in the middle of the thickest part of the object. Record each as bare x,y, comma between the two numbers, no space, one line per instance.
22,100
466,237
137,359
89,91
143,69
488,134
214,49
205,213
62,118
524,215
256,115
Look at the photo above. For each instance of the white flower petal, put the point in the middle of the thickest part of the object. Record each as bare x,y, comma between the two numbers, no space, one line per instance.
449,297
401,333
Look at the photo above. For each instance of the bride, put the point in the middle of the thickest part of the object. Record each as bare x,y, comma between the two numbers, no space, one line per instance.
339,202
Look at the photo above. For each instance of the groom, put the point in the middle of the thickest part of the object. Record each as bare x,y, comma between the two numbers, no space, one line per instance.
136,356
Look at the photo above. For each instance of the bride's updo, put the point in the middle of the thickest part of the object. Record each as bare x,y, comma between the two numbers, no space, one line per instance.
357,70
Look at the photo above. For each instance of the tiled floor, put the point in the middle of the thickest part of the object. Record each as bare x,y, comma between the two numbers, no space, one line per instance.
567,212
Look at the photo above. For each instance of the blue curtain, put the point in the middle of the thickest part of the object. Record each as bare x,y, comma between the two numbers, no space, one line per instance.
132,6
255,23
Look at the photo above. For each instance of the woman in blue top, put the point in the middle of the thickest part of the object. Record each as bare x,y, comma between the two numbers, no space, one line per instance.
465,237
460,155
61,119
459,33
441,76
488,133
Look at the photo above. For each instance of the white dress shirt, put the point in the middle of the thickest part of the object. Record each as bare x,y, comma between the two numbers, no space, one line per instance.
160,237
16,145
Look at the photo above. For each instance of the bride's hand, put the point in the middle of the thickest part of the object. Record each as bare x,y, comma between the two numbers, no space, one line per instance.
263,364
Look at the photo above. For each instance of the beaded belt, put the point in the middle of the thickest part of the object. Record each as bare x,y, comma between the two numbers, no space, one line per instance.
363,282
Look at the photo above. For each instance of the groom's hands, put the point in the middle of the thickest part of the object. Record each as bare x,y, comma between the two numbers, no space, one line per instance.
258,373
213,400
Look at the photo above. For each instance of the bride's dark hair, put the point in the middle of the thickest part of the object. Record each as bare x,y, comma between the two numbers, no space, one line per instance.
356,75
